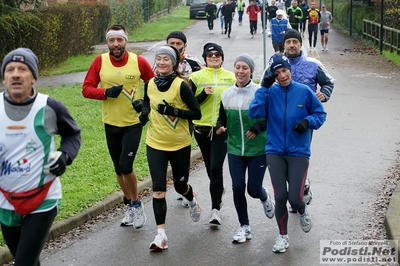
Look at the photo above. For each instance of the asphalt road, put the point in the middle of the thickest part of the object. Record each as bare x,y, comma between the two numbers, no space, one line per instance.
351,154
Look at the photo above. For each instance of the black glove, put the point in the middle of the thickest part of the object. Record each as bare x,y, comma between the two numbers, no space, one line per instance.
114,91
143,118
137,105
57,164
167,109
257,128
269,80
301,127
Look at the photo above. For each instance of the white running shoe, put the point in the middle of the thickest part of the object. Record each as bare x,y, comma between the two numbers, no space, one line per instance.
269,207
179,196
128,218
326,48
310,50
307,194
305,221
242,234
139,217
195,211
160,242
281,244
314,49
185,202
215,217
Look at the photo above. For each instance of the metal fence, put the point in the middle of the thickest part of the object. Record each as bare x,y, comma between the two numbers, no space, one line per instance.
391,36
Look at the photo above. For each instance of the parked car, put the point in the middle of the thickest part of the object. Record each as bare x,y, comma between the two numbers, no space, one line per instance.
197,8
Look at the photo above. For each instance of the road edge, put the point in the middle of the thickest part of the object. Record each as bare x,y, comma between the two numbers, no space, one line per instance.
110,201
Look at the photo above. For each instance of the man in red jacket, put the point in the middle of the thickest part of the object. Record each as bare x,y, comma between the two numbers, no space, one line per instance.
118,73
253,10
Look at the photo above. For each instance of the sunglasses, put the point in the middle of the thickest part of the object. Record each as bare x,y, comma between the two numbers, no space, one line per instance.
211,54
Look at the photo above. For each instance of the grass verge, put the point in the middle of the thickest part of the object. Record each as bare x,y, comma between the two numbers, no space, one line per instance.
91,177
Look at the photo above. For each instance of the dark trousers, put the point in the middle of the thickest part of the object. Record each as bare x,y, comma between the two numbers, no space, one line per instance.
312,29
255,167
214,152
288,175
253,26
26,241
210,21
228,25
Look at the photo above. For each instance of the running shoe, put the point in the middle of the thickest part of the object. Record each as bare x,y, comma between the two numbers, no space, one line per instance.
305,221
139,217
281,244
128,218
215,217
185,202
160,242
179,197
269,207
195,211
242,234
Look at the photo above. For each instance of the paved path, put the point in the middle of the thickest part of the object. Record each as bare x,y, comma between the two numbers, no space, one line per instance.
352,153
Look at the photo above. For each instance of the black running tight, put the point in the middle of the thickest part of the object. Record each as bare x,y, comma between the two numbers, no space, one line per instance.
27,240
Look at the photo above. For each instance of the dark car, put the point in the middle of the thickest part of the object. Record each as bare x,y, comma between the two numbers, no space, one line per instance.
197,8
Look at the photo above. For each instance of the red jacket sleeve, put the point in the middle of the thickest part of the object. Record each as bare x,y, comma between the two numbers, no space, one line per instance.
92,80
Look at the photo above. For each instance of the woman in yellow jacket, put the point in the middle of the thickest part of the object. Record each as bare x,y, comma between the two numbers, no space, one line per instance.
208,85
169,104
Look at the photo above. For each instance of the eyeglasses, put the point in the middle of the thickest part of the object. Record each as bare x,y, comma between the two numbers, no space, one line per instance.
211,54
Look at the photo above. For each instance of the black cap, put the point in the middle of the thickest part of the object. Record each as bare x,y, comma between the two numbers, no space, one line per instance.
178,35
212,46
291,33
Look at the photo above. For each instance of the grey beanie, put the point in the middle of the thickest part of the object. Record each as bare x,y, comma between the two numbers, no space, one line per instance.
247,59
168,50
22,55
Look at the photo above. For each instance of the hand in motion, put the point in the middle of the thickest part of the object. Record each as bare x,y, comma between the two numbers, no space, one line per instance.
57,164
269,80
114,91
167,109
301,127
208,90
137,105
143,118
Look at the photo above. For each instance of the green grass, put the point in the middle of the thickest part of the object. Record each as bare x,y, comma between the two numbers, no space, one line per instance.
91,177
394,57
160,28
73,64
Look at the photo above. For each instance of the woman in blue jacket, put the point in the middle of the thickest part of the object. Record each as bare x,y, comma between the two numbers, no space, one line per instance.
291,110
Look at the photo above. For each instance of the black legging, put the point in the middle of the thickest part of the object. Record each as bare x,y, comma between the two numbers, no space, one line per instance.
214,152
123,143
26,241
228,25
210,21
312,28
288,175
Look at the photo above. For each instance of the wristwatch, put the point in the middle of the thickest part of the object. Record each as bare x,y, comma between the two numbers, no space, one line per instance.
176,112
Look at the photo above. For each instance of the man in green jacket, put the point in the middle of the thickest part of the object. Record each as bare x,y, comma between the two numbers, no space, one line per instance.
295,15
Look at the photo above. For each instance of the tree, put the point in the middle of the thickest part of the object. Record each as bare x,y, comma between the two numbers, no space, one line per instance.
12,16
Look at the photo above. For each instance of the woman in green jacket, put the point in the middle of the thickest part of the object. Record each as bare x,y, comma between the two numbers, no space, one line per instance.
246,145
